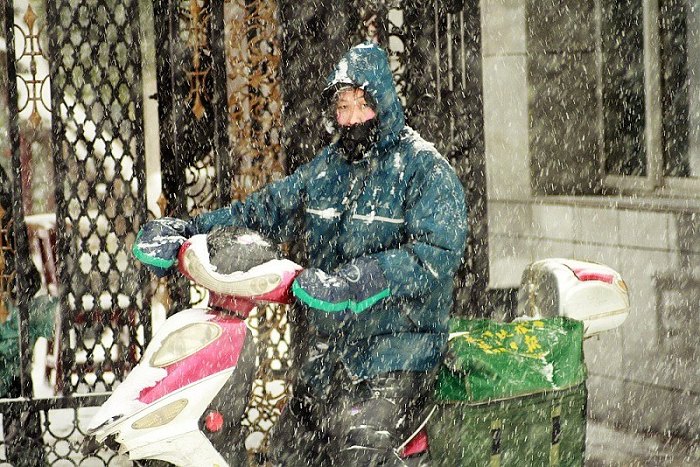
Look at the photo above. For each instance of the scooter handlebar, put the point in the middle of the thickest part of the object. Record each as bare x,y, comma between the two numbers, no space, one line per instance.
267,282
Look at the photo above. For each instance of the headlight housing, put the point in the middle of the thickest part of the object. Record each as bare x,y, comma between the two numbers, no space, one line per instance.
160,417
182,343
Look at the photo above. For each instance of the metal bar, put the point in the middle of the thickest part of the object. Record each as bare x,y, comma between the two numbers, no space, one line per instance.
219,104
54,403
62,240
165,19
600,117
141,211
476,160
436,38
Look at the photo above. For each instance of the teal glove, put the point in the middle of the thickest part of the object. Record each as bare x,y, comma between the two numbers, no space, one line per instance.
158,243
354,288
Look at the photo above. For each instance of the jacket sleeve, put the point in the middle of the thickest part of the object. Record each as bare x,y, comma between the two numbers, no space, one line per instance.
436,225
270,210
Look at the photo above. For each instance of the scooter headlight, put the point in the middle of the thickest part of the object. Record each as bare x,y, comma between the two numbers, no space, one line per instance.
184,342
160,417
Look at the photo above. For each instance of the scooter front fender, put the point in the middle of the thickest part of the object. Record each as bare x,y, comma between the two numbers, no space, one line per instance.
169,428
156,411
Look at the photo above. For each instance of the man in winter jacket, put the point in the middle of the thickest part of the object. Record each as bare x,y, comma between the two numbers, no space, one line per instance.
384,225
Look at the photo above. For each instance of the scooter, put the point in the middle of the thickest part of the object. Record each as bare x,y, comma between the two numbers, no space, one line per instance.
184,402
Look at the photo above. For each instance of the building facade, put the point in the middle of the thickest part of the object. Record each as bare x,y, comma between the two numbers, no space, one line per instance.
592,135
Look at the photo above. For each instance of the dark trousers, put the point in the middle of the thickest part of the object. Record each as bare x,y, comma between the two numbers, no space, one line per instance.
352,423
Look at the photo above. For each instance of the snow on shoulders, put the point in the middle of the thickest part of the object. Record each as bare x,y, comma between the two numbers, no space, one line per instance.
419,144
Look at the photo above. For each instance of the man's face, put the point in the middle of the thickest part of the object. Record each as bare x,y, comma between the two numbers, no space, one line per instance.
351,107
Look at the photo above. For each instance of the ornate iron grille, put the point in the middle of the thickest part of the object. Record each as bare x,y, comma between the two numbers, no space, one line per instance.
191,98
29,123
254,100
254,122
195,131
32,103
99,160
34,89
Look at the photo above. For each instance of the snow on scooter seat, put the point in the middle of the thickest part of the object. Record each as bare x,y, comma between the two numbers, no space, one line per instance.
256,281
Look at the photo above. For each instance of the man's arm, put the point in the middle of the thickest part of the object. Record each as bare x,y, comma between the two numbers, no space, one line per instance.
436,223
270,210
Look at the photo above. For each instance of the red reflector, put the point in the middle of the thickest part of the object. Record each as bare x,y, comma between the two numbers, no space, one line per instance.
418,445
214,421
592,275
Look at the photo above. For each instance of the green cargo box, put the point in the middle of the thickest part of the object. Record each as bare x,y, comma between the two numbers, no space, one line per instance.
511,394
538,430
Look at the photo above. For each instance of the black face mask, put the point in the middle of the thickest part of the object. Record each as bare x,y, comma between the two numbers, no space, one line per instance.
356,140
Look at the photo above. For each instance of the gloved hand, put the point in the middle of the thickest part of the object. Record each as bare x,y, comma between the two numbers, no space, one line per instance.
355,287
158,243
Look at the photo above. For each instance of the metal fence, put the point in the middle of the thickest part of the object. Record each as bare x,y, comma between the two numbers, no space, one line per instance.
238,105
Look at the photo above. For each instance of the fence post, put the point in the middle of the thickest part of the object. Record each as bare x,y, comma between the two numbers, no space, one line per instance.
21,246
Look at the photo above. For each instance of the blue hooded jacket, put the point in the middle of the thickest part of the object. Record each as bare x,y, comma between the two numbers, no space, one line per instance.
401,205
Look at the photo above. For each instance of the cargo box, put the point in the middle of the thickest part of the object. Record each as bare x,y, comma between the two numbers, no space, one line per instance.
589,292
543,429
511,394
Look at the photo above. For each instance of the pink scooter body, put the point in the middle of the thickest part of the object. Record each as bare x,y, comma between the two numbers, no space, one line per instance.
220,355
183,402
